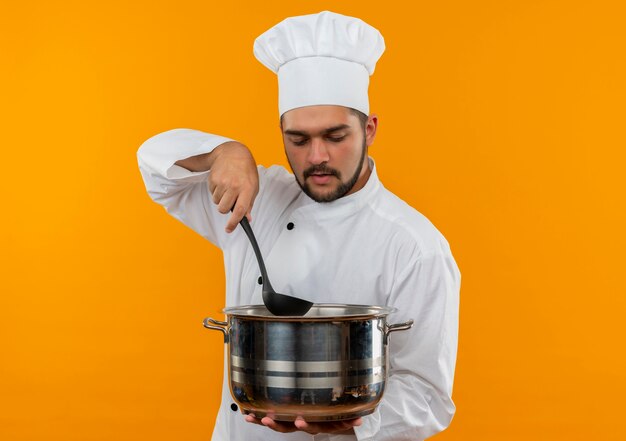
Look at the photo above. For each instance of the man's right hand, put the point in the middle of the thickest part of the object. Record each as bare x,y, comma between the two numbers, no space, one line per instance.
233,181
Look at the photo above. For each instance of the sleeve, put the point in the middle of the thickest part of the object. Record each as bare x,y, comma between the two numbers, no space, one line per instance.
183,194
417,402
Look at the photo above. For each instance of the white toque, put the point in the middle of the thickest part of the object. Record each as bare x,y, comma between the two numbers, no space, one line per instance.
323,58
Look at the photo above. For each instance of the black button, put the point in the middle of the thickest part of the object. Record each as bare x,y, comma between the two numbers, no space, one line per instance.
260,280
290,226
234,407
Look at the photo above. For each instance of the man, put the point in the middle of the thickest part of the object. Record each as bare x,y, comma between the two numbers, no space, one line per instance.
333,234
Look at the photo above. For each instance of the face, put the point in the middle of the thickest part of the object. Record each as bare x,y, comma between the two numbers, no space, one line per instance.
327,150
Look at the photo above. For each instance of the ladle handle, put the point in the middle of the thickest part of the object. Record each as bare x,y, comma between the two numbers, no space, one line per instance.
255,246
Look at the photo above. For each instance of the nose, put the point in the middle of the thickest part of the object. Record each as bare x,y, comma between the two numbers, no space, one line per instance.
318,152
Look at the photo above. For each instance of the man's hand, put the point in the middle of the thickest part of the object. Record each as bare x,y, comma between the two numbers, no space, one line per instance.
233,181
344,427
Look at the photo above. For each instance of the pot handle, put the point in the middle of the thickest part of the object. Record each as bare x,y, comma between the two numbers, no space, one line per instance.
210,323
397,327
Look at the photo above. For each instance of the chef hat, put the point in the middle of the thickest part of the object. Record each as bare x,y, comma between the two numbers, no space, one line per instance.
323,58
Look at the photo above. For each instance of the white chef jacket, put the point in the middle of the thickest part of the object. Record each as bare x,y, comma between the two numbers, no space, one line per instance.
367,248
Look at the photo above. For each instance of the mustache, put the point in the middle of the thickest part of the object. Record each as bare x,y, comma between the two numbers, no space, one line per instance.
320,169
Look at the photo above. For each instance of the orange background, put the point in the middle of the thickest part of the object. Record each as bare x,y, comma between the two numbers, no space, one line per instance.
501,121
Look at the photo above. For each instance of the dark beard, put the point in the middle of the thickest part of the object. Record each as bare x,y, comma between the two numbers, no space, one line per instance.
343,188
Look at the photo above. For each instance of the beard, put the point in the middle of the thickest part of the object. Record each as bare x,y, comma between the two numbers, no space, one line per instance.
342,189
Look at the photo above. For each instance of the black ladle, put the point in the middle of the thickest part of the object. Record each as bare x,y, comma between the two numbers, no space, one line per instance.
277,304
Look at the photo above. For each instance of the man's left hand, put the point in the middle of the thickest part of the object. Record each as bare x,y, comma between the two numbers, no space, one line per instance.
342,427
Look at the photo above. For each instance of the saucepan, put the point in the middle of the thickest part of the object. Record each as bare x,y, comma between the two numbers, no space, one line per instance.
330,364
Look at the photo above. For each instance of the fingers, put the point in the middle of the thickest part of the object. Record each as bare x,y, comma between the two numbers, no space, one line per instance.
227,201
302,425
355,422
278,426
252,419
326,427
282,427
217,192
236,200
233,188
242,207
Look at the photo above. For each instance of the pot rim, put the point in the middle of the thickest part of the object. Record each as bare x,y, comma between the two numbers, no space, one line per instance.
318,312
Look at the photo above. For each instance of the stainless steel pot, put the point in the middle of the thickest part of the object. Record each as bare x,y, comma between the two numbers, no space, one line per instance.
330,364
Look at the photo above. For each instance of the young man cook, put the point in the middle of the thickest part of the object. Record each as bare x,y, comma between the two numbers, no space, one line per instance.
333,234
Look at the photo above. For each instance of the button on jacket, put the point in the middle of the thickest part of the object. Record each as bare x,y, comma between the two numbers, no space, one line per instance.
369,247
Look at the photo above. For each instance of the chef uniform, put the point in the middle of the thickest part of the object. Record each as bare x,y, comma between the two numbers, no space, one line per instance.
368,247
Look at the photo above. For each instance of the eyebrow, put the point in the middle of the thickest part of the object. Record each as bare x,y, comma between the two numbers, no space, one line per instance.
324,132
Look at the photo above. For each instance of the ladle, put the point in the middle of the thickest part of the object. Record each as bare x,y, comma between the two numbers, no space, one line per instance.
276,303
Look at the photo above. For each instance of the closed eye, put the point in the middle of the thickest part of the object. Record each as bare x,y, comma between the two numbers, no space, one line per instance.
336,139
330,138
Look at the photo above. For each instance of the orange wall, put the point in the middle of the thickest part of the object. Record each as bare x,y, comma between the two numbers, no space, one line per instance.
502,121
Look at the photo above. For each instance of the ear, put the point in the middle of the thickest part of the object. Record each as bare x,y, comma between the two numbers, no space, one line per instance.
370,129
